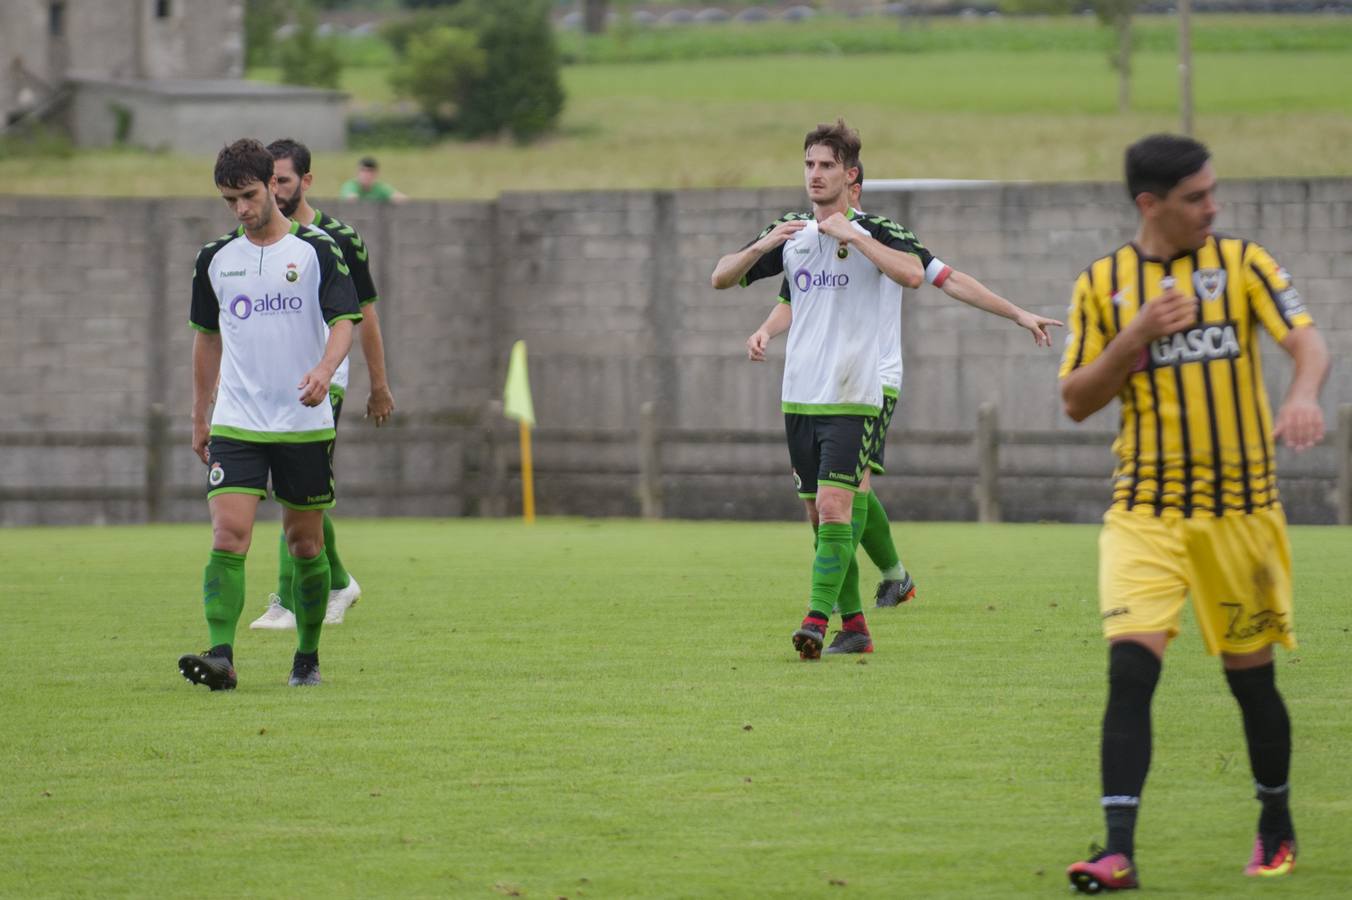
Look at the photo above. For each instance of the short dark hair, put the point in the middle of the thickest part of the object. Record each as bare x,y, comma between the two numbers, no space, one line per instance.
1157,163
368,162
241,162
841,138
298,153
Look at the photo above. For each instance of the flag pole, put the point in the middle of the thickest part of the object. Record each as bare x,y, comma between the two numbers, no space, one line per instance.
527,476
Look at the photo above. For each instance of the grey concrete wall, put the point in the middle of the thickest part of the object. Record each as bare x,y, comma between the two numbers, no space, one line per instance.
610,290
201,116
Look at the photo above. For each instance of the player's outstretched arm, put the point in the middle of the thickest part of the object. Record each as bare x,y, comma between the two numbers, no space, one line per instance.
206,369
732,268
902,267
314,387
1300,420
775,324
961,286
1091,387
380,404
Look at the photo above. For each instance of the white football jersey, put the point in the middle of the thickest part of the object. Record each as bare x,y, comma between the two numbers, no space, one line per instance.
273,307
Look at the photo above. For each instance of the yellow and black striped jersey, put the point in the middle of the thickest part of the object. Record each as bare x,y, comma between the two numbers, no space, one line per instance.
1196,427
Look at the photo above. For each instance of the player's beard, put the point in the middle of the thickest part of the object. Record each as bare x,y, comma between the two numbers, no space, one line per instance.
289,205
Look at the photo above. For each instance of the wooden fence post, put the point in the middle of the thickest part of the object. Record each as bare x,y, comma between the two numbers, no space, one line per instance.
492,486
157,440
1345,465
987,489
649,463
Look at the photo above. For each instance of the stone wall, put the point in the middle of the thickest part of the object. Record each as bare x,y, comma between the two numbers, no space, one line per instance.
611,293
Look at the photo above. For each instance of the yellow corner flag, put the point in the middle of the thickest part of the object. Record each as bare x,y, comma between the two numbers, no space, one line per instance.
516,404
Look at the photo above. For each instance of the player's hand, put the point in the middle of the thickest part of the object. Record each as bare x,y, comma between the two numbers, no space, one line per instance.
1167,314
201,434
757,344
778,235
380,404
1038,325
314,387
838,227
1300,423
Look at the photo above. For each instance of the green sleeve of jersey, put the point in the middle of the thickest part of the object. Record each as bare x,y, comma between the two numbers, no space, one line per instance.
897,237
205,314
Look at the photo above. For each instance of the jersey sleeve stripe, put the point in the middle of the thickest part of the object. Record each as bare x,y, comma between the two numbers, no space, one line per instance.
1272,294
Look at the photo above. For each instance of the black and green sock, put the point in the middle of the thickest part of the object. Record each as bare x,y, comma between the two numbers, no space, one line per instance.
339,578
223,595
310,599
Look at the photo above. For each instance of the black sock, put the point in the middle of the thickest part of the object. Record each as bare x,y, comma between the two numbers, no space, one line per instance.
222,650
815,616
311,658
1133,672
1267,730
850,617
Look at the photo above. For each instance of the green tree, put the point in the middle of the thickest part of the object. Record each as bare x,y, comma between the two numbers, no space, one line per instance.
261,18
520,90
306,58
436,68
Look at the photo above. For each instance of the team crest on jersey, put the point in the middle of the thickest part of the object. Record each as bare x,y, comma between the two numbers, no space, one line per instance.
797,482
217,474
1209,283
291,273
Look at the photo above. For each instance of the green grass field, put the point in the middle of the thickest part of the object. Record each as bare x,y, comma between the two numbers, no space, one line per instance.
611,709
993,104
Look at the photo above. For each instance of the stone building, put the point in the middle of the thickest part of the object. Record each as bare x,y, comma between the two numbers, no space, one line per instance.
165,74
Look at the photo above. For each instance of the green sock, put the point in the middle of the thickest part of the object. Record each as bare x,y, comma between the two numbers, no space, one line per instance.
849,601
339,577
835,548
310,599
286,572
223,595
877,541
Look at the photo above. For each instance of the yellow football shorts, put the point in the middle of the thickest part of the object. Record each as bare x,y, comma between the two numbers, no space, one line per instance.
1237,569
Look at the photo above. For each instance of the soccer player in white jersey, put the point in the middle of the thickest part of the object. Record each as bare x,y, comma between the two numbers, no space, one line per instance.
274,307
836,262
896,585
291,164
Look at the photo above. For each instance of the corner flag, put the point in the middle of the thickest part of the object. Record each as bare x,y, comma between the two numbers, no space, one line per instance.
516,404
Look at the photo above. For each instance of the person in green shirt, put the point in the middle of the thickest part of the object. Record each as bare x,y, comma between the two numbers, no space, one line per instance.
366,185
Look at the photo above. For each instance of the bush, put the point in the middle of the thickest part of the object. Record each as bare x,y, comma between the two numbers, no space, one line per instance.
520,90
308,59
517,88
436,68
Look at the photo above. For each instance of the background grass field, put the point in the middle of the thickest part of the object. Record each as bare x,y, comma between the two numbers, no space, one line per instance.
727,106
612,709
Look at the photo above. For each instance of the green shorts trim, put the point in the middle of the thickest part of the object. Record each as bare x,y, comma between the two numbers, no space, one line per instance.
830,409
304,506
845,486
272,437
237,490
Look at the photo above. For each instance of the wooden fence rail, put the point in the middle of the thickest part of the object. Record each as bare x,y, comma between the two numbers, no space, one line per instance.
656,458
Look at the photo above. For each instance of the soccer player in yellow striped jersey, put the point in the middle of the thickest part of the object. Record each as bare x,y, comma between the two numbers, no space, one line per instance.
1169,325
